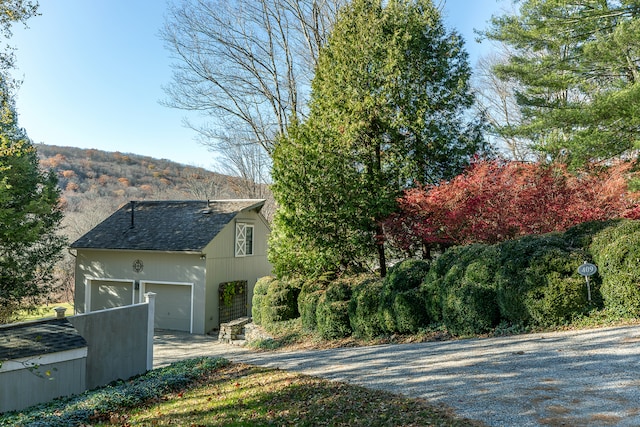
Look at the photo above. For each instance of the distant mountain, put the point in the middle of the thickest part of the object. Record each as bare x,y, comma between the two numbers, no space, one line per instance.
95,183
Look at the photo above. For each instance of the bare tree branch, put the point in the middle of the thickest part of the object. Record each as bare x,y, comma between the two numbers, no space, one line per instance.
246,65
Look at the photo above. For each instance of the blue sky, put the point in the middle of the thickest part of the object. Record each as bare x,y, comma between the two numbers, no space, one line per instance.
93,72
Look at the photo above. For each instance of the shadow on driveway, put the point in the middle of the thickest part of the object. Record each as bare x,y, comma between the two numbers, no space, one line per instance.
576,378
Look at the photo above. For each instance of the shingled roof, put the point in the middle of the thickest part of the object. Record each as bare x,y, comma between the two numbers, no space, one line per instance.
23,340
175,226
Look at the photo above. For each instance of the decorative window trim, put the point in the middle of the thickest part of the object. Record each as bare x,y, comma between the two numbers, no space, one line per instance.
244,239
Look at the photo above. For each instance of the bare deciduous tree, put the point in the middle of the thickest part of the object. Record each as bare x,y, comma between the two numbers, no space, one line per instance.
246,65
496,100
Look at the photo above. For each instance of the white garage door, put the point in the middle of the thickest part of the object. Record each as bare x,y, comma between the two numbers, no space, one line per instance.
174,305
110,294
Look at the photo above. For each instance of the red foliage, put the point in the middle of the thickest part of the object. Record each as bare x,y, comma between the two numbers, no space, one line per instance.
498,200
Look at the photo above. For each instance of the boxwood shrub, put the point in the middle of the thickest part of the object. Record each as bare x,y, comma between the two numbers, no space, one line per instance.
332,311
310,293
257,301
281,301
616,251
363,308
460,290
538,282
401,307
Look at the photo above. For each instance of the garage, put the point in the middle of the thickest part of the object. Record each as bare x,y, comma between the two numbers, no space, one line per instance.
105,293
174,304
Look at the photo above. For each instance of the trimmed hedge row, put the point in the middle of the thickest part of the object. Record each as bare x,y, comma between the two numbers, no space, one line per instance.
470,290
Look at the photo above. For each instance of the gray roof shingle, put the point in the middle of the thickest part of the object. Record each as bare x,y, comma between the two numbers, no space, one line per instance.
174,226
23,340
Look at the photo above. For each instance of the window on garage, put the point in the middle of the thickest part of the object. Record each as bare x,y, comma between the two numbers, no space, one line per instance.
244,239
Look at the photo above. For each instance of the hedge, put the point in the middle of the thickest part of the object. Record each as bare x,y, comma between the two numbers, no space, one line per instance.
257,301
401,306
538,283
308,302
332,311
363,308
531,281
616,251
281,301
461,289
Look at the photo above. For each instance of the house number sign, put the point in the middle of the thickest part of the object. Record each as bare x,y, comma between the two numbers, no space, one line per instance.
587,270
138,265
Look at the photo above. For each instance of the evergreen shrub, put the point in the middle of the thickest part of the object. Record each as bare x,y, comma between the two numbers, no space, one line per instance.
538,283
257,300
281,301
310,293
332,312
363,308
616,251
401,308
465,292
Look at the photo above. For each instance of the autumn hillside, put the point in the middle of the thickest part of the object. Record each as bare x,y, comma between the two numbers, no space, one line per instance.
94,183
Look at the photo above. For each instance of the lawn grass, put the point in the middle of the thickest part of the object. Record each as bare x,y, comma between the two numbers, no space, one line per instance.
244,395
44,312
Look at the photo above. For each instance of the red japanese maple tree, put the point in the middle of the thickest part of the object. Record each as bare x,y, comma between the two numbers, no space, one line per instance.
496,200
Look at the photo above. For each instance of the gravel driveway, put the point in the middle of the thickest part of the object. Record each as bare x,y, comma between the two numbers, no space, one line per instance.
577,378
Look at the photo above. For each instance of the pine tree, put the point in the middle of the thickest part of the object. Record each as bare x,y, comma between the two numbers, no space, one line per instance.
578,64
29,216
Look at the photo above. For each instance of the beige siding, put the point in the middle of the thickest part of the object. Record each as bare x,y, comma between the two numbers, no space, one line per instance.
224,266
174,268
159,267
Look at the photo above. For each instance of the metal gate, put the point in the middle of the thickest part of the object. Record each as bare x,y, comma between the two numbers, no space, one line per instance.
233,300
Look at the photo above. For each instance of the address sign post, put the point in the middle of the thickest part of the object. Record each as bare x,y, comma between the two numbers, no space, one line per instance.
587,270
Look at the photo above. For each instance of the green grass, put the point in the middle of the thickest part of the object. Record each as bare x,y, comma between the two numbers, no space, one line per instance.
44,312
244,395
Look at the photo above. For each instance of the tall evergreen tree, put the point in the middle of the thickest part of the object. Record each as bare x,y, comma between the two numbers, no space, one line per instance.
387,110
29,216
578,66
29,210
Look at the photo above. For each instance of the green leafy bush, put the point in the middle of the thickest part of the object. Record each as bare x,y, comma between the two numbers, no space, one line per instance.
401,307
616,251
407,275
281,301
94,405
460,289
332,312
538,282
363,308
581,235
257,300
308,302
409,311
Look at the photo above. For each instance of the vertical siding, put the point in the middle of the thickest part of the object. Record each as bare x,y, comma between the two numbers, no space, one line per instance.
221,266
224,266
22,388
117,343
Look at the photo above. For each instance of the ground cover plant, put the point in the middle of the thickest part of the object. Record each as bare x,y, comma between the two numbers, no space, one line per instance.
212,392
93,406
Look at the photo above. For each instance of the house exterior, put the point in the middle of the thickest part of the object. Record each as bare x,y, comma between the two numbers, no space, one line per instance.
200,258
